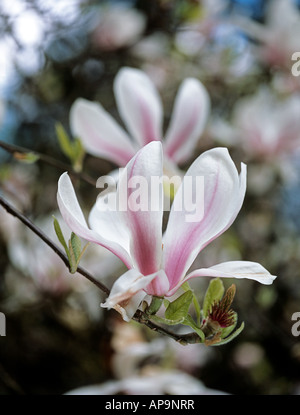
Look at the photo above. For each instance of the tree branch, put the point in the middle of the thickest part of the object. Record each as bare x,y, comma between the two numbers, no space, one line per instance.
16,151
14,212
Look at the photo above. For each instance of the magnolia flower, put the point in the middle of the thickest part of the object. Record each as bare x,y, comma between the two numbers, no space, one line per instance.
158,264
268,128
140,107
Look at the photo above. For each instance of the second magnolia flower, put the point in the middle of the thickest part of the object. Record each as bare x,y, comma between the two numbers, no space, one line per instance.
158,264
141,110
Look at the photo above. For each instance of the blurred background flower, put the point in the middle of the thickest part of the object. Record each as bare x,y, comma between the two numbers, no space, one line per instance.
52,53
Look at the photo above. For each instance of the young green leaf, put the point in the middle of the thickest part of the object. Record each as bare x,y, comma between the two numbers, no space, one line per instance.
213,294
28,158
188,321
231,337
179,308
64,140
169,322
155,305
60,236
76,246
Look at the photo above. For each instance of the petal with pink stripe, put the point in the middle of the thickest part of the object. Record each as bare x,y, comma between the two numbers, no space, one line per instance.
139,105
190,113
221,193
101,136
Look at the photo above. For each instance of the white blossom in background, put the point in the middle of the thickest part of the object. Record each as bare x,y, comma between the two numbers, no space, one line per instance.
141,110
118,26
276,40
168,382
267,128
154,367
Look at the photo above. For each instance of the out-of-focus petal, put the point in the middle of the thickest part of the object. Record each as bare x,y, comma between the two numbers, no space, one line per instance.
74,218
220,192
190,113
99,132
139,105
142,209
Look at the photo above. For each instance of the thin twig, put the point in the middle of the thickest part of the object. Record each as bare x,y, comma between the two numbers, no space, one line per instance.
17,150
140,316
14,212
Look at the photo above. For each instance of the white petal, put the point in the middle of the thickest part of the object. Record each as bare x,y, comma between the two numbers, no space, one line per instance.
190,113
128,292
235,269
73,216
105,219
99,132
139,105
221,199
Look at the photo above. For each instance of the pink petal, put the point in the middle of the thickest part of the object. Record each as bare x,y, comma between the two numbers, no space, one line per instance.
224,191
99,133
159,286
139,105
190,113
73,216
143,218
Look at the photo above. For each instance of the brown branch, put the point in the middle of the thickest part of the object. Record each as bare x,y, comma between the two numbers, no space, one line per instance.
16,151
14,212
140,316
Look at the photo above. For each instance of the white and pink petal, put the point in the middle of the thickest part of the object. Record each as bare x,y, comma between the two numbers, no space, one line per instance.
100,134
142,208
139,105
74,218
234,269
220,191
189,117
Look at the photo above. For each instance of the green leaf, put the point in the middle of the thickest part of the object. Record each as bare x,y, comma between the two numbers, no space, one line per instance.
231,337
73,149
72,258
76,246
64,141
169,322
179,308
28,158
186,287
60,235
213,294
78,154
155,305
188,321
